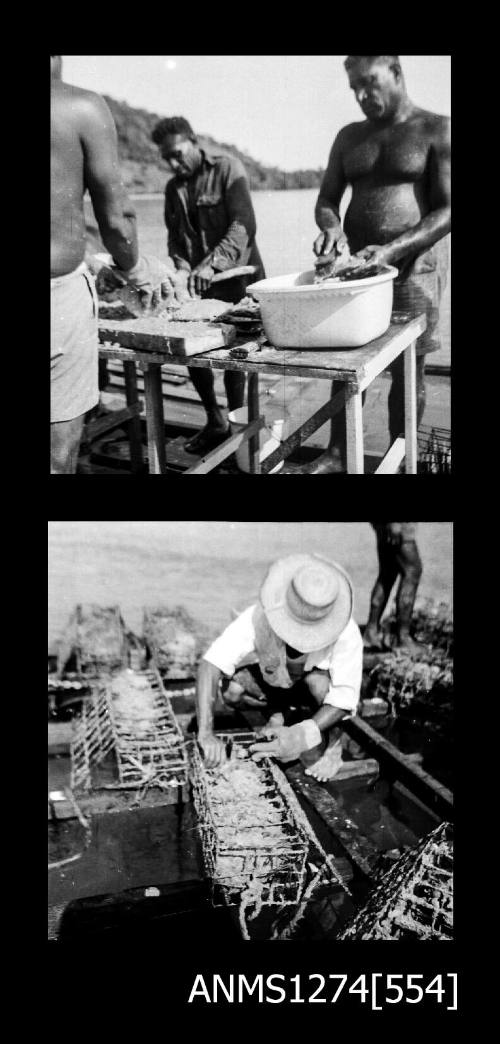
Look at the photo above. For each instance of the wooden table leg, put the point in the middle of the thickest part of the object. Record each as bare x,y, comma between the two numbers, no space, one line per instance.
410,379
134,424
354,432
253,414
154,419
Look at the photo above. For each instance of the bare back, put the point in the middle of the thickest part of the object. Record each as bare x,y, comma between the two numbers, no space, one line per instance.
84,156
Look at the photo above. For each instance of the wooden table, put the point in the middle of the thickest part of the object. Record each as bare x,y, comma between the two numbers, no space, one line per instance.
355,368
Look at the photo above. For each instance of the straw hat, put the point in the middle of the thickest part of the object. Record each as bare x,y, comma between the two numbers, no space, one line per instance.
307,600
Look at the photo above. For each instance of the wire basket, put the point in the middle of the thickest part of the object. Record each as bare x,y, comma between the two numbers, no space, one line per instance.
142,730
249,831
434,450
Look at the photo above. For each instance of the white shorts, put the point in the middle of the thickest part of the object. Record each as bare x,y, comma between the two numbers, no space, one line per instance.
74,387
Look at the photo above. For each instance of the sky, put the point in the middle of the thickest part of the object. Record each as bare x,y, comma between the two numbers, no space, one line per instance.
284,110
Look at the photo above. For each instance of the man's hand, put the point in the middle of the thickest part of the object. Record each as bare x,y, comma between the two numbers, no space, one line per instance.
153,282
200,279
329,241
377,255
181,285
213,749
287,742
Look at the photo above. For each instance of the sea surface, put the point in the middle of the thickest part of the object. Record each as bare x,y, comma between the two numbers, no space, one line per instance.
211,568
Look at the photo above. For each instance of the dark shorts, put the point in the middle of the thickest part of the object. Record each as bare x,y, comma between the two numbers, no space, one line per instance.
419,288
294,703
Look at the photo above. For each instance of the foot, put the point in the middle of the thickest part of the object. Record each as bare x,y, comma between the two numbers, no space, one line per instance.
408,645
329,463
207,439
373,639
326,764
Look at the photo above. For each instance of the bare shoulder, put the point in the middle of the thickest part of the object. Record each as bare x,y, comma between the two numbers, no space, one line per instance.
86,107
436,128
350,134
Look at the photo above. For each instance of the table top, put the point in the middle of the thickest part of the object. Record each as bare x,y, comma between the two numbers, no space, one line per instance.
355,366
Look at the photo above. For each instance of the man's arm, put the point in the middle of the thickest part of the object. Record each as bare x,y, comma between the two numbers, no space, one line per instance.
437,223
233,248
114,212
174,244
206,695
327,211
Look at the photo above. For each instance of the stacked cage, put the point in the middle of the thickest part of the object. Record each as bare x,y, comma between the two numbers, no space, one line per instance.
251,838
414,900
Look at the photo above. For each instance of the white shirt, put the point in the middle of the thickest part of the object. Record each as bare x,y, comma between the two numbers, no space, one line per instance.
343,660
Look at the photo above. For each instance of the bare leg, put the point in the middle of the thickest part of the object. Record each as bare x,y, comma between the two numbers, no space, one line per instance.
410,565
64,445
396,396
334,459
234,383
323,761
389,569
217,427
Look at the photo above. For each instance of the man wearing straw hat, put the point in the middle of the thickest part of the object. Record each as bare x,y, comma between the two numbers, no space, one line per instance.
297,654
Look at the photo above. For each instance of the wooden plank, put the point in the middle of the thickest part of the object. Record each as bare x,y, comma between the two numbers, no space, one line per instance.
392,460
354,432
59,737
134,426
410,394
356,366
226,448
400,337
175,340
300,435
357,769
359,848
97,428
154,420
253,414
423,784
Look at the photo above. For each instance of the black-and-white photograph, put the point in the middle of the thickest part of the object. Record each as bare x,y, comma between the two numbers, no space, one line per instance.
249,264
250,731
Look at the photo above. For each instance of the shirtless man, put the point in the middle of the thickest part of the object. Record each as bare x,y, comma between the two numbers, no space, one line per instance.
398,557
398,164
84,156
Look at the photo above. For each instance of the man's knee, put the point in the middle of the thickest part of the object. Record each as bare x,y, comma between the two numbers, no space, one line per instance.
64,445
233,694
318,683
410,560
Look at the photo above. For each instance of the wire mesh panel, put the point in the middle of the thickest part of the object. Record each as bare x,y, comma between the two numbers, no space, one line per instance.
250,836
434,450
131,715
415,898
93,738
149,744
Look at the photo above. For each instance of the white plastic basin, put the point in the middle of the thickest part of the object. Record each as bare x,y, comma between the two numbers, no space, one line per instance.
298,313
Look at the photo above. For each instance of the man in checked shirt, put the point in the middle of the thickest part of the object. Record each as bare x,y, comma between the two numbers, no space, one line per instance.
211,228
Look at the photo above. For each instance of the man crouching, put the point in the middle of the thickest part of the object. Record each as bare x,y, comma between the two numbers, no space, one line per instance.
297,653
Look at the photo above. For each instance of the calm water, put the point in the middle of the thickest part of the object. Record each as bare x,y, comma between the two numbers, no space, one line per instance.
285,233
212,567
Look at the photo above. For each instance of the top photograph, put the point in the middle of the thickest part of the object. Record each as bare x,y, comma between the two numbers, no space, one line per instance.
250,264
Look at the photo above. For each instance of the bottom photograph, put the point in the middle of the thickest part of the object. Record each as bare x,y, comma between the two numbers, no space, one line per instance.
250,731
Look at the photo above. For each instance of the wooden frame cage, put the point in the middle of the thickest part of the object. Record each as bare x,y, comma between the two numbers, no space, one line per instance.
250,839
149,750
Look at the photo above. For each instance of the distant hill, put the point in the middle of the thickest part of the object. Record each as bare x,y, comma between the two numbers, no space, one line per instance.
145,171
